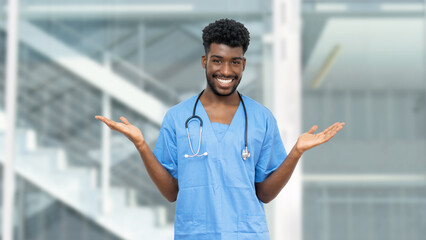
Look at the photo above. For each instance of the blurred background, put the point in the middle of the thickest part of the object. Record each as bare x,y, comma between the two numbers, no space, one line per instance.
362,62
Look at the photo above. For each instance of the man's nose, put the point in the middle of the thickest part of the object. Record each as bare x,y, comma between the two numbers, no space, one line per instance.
225,70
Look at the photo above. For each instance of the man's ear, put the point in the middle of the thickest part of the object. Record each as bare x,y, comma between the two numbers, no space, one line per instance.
244,63
204,61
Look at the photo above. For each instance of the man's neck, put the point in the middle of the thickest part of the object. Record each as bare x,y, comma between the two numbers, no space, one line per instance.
210,98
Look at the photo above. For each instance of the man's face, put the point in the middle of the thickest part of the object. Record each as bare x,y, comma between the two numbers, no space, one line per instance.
224,68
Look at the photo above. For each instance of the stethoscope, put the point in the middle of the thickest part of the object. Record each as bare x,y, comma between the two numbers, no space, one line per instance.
245,152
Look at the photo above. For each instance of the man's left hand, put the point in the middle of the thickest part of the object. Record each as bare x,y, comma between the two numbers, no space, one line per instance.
309,140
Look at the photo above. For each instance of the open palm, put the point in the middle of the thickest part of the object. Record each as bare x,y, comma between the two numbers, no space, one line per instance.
131,132
309,140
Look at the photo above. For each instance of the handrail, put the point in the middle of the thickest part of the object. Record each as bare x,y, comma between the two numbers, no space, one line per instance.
76,103
135,70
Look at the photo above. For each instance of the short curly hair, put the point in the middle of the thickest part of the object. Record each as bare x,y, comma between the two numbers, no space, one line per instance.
226,31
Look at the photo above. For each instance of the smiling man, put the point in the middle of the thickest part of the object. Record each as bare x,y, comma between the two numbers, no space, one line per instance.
220,154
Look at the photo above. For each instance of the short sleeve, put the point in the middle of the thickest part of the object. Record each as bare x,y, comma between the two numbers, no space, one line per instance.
165,149
272,153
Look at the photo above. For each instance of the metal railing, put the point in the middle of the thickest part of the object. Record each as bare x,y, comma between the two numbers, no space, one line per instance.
129,71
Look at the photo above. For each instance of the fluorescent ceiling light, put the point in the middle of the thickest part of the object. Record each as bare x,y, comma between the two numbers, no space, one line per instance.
395,7
83,8
330,7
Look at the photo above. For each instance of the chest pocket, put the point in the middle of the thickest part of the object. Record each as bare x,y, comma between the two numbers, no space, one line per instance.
193,171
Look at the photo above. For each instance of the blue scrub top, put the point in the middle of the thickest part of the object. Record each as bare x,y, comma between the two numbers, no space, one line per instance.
217,196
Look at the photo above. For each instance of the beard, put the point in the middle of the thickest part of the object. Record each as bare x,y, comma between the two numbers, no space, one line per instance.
212,85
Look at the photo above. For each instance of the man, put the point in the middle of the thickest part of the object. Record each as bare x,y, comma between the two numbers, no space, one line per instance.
220,154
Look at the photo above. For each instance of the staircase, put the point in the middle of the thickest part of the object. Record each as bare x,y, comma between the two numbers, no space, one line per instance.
76,187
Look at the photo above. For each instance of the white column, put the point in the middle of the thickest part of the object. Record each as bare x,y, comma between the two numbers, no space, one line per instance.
106,147
268,87
287,109
424,46
10,100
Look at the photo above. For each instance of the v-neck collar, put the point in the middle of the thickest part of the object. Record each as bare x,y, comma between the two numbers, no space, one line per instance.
204,112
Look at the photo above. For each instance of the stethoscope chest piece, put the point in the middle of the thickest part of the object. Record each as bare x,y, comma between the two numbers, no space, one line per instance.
245,154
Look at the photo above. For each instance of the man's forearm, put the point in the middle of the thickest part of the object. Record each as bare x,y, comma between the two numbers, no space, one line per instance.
164,181
267,190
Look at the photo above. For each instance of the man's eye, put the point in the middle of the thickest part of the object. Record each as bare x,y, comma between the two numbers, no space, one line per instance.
216,60
236,62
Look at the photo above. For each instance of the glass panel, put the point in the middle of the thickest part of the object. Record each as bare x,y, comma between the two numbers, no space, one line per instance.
363,63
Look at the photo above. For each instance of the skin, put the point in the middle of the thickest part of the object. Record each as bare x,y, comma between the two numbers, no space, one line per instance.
221,101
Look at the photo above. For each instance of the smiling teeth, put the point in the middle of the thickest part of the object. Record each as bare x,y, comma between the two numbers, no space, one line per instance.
224,81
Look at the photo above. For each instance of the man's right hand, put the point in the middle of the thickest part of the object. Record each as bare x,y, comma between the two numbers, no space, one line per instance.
131,132
164,181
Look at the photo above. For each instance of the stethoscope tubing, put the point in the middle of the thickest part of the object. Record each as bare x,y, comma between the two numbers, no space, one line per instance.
245,153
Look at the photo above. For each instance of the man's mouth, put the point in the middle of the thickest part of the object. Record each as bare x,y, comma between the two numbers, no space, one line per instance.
224,81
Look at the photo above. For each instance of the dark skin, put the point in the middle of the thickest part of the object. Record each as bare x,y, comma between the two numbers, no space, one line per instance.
224,66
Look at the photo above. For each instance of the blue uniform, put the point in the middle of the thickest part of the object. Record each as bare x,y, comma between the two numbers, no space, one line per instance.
217,196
